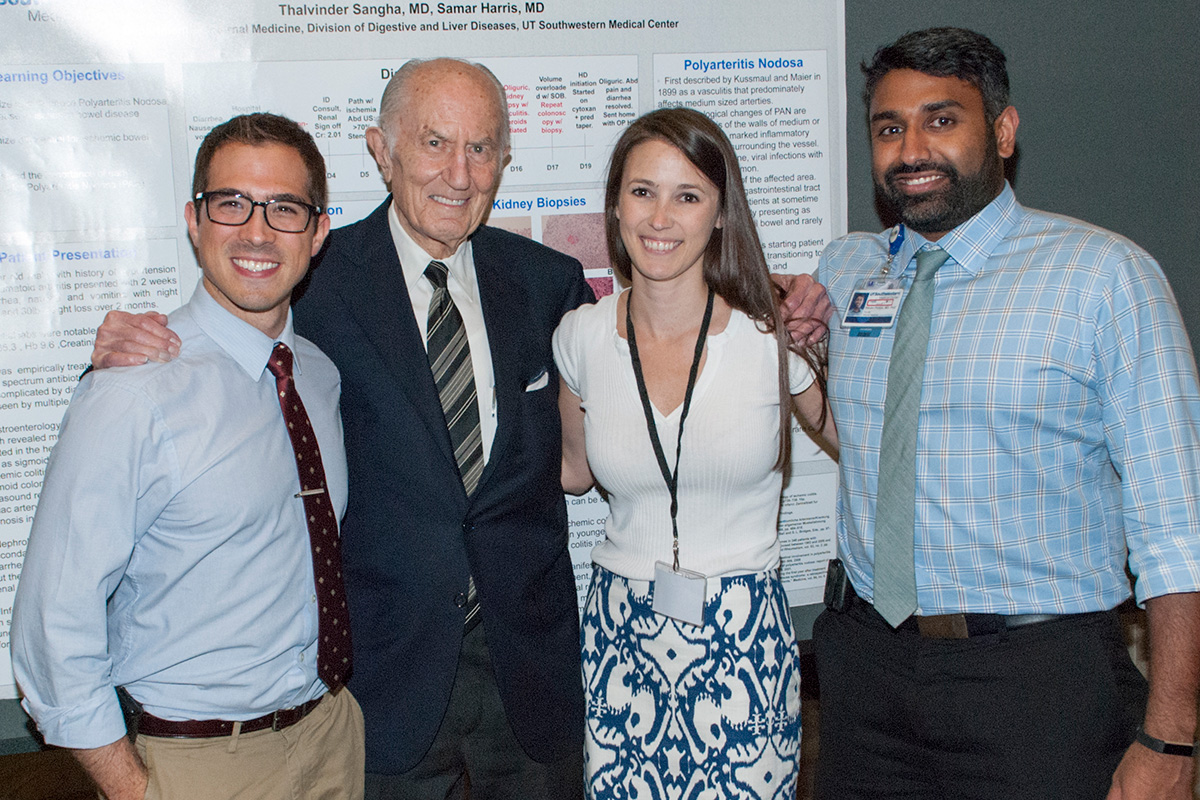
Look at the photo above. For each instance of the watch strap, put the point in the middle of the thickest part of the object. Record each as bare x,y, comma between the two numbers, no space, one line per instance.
1166,748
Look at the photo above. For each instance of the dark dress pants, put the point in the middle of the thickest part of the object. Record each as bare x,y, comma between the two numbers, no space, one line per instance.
1041,711
475,754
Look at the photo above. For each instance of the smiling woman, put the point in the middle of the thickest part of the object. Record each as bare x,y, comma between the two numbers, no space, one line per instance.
686,593
667,211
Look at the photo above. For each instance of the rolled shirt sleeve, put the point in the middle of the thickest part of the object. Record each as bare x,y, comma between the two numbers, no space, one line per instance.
109,476
1147,383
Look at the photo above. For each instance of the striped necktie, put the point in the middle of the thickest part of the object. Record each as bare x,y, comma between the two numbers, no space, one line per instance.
450,361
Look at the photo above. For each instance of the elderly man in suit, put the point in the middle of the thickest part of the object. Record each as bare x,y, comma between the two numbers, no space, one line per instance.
461,587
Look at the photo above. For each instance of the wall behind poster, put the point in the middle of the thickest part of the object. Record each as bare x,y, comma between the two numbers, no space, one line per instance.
103,105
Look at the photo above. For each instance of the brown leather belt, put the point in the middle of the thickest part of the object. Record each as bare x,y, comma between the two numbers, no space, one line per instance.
964,626
150,725
956,626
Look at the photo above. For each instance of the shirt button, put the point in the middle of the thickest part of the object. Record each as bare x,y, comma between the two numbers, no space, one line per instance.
460,599
313,599
302,657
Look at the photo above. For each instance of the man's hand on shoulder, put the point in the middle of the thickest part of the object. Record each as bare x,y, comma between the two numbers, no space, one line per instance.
126,340
1146,775
805,308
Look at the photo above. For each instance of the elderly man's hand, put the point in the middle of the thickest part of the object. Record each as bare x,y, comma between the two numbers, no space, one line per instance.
805,308
125,340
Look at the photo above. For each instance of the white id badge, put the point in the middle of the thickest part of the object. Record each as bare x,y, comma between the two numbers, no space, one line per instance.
874,305
679,595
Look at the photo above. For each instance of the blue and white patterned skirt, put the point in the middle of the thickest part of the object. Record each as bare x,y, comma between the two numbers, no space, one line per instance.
679,712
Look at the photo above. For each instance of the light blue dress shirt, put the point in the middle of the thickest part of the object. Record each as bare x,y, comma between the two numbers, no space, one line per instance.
1059,420
169,554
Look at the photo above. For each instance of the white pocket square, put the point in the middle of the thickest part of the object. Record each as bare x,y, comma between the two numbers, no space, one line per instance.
540,382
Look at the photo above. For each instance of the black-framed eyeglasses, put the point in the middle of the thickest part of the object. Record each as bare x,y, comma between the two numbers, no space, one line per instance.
233,208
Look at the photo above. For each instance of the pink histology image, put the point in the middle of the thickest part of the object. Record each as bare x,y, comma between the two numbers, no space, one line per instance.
581,236
522,226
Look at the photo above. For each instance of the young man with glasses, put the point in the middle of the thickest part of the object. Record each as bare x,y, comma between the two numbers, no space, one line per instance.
184,564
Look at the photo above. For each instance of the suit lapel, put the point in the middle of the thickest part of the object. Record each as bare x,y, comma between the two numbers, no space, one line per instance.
502,316
382,307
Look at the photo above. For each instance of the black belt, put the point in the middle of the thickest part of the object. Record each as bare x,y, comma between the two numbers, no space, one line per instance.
954,626
150,725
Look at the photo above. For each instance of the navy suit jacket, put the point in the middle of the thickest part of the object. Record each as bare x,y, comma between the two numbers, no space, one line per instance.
411,535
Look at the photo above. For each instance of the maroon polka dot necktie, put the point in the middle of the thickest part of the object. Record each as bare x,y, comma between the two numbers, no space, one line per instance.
333,620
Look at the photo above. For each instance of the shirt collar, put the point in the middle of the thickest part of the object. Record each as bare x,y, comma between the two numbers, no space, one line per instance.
971,243
249,347
414,259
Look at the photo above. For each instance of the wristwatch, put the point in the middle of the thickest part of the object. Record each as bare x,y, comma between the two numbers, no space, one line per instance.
1166,748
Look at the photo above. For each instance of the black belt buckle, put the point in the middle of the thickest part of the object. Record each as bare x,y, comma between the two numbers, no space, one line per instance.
287,717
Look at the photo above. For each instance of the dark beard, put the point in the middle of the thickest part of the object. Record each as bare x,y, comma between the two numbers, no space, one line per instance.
942,211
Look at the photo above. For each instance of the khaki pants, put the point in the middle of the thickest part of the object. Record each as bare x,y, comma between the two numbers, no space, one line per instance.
318,758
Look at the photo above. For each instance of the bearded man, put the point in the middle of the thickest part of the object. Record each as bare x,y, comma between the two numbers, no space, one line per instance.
1018,419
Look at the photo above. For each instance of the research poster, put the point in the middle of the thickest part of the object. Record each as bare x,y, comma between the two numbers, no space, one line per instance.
103,105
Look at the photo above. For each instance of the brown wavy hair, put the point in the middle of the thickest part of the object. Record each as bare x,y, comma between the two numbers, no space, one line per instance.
262,129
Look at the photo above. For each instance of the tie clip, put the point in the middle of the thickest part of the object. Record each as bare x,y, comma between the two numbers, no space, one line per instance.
307,492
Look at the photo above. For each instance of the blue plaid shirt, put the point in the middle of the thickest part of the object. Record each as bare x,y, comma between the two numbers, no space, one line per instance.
1058,429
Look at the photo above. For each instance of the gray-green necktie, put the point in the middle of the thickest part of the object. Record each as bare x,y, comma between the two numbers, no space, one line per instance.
895,504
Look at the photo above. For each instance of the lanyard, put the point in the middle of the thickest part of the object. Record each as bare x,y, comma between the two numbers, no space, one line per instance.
895,240
672,479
